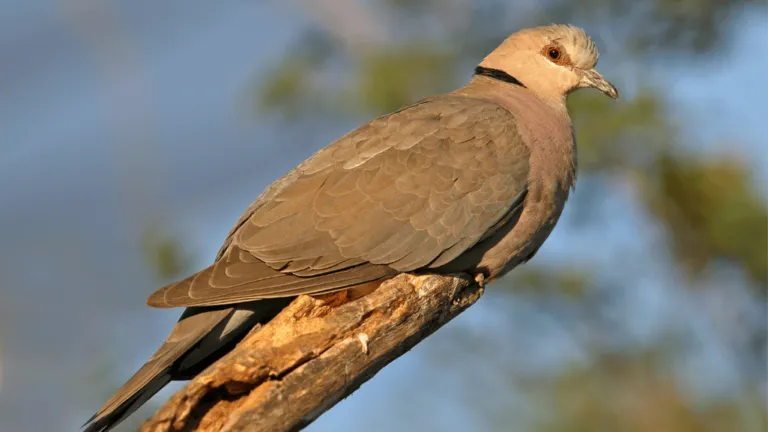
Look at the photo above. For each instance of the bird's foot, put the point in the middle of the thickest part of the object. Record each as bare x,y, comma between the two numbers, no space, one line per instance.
480,279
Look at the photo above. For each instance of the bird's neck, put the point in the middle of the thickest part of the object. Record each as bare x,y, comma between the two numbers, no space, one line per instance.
544,124
505,85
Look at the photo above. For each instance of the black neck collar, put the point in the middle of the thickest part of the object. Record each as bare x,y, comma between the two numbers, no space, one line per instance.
498,75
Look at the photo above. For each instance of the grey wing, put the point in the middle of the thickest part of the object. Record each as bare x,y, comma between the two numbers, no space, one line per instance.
410,190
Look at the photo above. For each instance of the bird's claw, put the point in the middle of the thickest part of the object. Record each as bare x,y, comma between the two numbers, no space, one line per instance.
480,279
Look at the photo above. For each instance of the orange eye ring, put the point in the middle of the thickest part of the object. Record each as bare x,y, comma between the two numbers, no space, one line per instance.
556,54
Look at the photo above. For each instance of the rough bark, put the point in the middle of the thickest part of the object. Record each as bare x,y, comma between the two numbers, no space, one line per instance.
317,351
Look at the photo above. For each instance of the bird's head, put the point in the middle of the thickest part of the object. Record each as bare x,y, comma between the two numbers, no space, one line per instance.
552,61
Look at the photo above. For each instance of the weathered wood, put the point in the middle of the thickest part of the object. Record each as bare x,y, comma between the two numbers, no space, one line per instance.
313,354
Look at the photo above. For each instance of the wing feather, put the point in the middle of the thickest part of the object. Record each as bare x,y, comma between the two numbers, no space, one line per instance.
410,190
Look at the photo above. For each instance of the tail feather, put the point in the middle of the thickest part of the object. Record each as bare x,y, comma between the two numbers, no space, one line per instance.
200,337
194,325
107,418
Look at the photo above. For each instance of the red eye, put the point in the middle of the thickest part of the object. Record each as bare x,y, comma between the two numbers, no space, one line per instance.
553,53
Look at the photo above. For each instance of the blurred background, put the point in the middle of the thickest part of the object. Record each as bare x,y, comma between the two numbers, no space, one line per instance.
133,134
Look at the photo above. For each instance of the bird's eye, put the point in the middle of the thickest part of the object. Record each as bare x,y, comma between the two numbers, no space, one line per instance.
553,53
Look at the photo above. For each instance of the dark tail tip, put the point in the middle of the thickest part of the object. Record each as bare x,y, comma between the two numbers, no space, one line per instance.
106,420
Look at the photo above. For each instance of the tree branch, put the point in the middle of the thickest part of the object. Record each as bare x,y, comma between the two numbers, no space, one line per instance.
317,351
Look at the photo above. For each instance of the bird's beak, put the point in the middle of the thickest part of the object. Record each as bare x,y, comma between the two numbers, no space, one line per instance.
592,79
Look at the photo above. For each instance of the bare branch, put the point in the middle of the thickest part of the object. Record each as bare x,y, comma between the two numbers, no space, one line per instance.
312,355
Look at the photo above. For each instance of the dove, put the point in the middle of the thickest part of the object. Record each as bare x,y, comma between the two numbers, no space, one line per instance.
469,181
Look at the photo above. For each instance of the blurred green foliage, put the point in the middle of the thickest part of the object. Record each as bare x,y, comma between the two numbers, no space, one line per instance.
633,394
712,211
688,27
618,136
417,70
572,283
164,253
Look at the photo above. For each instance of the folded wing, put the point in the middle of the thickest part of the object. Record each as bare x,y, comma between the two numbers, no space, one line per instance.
410,190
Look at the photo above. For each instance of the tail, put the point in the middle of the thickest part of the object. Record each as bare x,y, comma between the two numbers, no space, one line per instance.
131,397
201,336
193,326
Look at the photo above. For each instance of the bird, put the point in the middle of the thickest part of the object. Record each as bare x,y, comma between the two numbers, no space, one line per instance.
470,181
